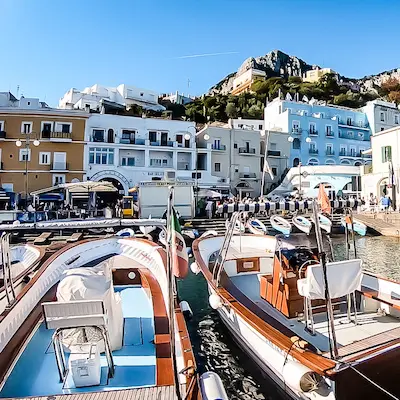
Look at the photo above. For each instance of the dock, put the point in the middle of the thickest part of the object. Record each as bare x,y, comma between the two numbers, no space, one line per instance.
384,224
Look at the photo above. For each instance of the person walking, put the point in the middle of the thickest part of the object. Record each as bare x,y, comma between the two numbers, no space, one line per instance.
209,209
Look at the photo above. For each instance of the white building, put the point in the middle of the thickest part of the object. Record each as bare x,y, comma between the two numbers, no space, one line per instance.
7,99
178,98
245,78
94,97
382,177
129,150
252,124
381,115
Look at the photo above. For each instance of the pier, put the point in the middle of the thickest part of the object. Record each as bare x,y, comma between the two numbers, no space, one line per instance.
384,224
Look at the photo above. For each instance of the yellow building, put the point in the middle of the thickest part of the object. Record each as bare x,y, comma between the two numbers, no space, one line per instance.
242,82
315,75
48,143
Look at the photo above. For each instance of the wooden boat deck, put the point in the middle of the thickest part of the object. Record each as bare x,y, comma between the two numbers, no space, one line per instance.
148,393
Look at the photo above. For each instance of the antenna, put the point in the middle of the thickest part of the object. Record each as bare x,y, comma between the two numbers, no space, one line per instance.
188,83
17,90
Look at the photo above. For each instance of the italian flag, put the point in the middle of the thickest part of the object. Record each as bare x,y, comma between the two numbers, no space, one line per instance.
180,260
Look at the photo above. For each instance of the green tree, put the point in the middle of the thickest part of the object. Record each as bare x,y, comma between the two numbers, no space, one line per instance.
231,110
295,79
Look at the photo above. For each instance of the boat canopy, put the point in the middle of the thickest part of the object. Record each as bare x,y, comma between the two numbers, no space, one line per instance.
301,240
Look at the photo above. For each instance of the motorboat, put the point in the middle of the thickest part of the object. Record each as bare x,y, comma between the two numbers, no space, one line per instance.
324,222
17,267
270,293
99,316
147,229
126,232
238,226
256,227
281,225
302,224
357,226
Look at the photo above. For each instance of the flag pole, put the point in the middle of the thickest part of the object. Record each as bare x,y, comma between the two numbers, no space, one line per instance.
171,293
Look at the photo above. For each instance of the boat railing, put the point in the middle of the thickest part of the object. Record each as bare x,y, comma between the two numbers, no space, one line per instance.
6,267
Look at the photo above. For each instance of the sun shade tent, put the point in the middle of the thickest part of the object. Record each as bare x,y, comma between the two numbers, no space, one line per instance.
89,187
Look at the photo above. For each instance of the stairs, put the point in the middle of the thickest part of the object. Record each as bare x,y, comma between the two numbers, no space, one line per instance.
218,224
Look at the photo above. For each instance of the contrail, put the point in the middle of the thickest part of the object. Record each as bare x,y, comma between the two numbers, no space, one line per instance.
205,55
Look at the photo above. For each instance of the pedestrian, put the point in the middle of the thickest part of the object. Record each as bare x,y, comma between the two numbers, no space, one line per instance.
209,209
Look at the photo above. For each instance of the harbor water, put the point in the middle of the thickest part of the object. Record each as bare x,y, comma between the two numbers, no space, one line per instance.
215,349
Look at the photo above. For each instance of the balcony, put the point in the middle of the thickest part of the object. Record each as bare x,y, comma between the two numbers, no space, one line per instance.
221,147
161,166
56,136
168,143
247,150
345,135
247,175
353,124
274,153
183,166
350,154
59,166
296,131
330,153
313,133
313,151
330,134
132,141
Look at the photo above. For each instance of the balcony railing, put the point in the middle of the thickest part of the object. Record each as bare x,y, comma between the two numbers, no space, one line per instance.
162,166
183,166
274,153
132,141
349,154
59,166
353,124
247,150
168,143
218,147
247,175
345,135
313,133
313,151
296,131
330,134
56,135
330,153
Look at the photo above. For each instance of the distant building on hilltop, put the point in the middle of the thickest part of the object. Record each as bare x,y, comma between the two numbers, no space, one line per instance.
314,75
244,80
96,96
178,98
382,115
320,134
7,99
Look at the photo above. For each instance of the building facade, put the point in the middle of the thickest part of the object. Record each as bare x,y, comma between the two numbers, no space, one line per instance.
381,115
244,80
383,176
178,98
314,75
320,134
47,143
94,97
129,150
236,157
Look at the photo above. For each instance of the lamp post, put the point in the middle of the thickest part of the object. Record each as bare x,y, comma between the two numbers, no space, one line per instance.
18,143
291,140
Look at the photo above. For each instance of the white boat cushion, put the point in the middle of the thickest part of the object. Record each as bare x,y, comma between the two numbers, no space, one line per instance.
344,277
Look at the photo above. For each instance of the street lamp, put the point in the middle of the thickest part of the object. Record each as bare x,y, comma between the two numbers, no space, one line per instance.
18,143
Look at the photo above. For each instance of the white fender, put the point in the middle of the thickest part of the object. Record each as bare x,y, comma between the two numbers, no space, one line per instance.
298,376
195,268
209,233
211,387
186,310
215,301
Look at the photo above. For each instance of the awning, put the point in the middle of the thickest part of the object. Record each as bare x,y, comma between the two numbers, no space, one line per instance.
51,197
89,186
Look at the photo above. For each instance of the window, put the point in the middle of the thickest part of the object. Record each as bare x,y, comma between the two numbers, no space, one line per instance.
382,117
352,151
295,126
311,161
217,144
240,126
64,127
1,126
349,121
179,139
98,135
328,130
47,127
329,149
396,119
58,179
386,153
110,136
153,136
260,127
217,167
350,134
236,168
24,155
296,143
235,146
343,150
102,156
382,129
44,158
26,127
158,162
128,136
313,148
313,129
274,171
128,161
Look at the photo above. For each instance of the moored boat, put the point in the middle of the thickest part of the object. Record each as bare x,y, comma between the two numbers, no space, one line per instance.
355,225
270,293
256,227
281,225
17,266
302,224
324,222
110,327
238,226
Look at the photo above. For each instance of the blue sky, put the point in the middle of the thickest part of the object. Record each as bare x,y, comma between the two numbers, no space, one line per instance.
49,46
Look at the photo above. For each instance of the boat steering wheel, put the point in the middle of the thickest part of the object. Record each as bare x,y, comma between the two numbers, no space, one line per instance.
306,264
